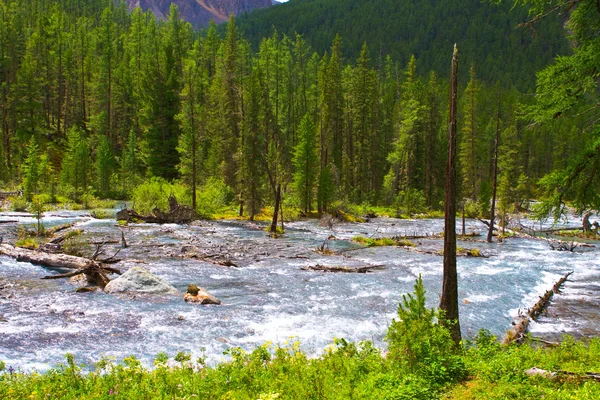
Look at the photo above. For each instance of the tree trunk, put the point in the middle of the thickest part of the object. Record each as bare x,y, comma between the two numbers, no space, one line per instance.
587,226
276,210
449,300
464,231
497,143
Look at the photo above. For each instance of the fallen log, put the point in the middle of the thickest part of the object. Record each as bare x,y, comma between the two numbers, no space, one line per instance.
94,271
330,268
561,374
177,214
521,322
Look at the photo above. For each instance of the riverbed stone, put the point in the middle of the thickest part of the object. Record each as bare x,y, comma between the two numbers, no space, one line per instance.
139,280
199,295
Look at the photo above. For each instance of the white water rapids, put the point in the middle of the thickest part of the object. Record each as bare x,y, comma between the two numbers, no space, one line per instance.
268,298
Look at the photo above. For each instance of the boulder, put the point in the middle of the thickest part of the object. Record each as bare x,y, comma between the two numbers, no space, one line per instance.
139,280
199,295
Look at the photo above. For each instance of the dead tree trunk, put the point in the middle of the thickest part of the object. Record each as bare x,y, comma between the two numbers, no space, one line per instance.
496,144
587,226
449,300
273,228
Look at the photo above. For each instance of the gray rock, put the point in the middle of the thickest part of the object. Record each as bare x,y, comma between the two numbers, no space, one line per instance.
139,280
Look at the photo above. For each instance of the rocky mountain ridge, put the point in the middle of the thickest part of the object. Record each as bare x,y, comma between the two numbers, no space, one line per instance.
200,12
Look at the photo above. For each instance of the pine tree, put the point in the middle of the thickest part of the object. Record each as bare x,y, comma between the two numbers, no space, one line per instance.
31,171
306,163
470,143
405,158
509,175
192,120
75,168
326,189
364,139
104,164
252,165
130,164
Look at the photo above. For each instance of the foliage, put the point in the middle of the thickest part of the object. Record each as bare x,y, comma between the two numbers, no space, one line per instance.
110,96
419,344
409,202
155,192
375,242
213,197
402,28
27,243
567,90
306,161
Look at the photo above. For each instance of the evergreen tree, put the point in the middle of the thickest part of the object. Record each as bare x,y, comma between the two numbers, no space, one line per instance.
306,163
405,158
470,143
509,172
75,168
104,166
364,142
252,159
31,170
130,164
325,191
192,120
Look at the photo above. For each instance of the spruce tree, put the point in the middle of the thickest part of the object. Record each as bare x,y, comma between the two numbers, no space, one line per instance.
104,164
31,171
306,163
470,143
75,168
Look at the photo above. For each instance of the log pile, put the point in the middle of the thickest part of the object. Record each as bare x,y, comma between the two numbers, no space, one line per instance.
521,322
96,274
177,214
333,268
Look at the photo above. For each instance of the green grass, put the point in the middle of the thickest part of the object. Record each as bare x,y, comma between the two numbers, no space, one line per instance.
376,242
27,243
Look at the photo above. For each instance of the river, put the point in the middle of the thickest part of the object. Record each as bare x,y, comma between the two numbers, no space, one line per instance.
268,297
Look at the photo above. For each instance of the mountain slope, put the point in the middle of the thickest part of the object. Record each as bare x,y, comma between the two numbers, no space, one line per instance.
200,12
487,35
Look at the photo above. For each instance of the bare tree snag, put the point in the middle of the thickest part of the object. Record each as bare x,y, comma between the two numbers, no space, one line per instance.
449,300
273,228
496,144
587,226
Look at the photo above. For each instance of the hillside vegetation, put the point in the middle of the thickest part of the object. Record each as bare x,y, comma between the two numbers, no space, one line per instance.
487,34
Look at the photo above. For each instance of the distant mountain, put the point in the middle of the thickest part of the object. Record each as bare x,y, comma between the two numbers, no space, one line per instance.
200,12
487,35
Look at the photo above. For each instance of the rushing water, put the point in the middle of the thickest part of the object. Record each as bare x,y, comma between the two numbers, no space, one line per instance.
268,297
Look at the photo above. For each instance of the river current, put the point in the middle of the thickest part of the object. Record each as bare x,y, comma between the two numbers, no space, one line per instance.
268,298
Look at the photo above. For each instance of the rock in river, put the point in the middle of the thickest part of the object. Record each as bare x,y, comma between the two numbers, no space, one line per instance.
139,280
199,295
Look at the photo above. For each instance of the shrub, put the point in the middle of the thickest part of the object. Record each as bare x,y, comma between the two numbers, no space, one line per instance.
213,197
419,344
410,201
154,193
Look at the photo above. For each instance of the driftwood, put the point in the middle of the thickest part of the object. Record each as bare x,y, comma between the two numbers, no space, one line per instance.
561,374
177,214
94,271
329,268
521,322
